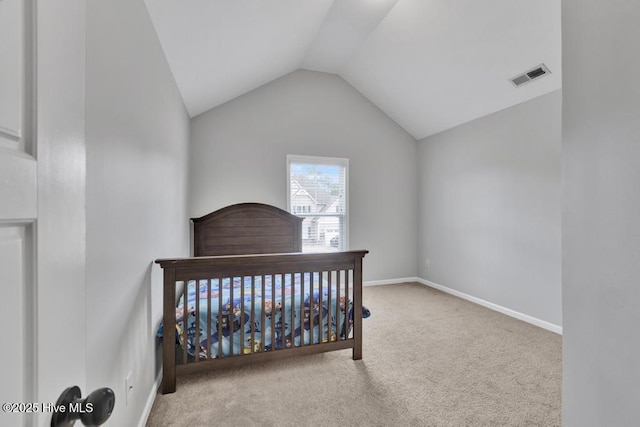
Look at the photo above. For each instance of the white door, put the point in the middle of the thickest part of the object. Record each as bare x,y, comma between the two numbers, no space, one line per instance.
41,205
18,211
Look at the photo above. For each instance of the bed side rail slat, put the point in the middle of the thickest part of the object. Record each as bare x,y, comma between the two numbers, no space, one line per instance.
169,331
209,332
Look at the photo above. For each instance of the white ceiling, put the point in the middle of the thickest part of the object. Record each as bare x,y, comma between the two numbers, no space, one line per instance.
429,64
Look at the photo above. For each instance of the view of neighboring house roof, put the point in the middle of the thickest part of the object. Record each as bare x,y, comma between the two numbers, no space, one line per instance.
322,197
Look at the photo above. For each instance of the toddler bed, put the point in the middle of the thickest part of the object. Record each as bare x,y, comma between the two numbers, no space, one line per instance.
250,295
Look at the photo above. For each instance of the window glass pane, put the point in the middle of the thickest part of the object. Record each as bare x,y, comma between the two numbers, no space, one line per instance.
318,193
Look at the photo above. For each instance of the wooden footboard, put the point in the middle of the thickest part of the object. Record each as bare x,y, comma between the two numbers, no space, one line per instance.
248,326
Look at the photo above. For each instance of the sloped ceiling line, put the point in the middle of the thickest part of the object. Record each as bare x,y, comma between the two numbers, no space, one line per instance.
428,64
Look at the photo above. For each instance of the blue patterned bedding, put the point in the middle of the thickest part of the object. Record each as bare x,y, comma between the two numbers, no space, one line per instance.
322,318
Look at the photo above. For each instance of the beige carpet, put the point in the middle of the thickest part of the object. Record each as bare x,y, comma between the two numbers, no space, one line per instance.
430,359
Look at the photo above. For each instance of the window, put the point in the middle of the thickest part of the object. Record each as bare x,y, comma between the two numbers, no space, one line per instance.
317,190
301,209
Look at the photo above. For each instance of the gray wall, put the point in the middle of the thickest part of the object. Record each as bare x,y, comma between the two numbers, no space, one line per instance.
489,210
238,154
137,154
601,213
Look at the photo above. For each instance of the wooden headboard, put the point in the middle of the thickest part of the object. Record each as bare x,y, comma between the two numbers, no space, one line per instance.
247,228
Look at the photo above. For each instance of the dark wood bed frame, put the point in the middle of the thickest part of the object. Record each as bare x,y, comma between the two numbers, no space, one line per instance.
253,240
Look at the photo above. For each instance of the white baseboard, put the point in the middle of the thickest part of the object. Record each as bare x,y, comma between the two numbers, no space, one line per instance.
495,307
150,400
389,281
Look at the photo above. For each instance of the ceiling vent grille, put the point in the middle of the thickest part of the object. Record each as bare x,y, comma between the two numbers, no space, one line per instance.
532,74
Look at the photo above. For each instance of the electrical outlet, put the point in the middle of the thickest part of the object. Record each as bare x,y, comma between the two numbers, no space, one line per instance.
128,387
427,263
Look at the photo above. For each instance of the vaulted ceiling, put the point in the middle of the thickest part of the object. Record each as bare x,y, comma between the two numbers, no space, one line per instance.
428,64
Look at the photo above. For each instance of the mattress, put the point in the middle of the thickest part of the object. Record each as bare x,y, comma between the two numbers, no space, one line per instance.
321,313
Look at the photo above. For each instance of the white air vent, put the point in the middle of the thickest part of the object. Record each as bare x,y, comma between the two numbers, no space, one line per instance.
532,74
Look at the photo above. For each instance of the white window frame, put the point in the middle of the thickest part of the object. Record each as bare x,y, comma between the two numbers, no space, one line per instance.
319,160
